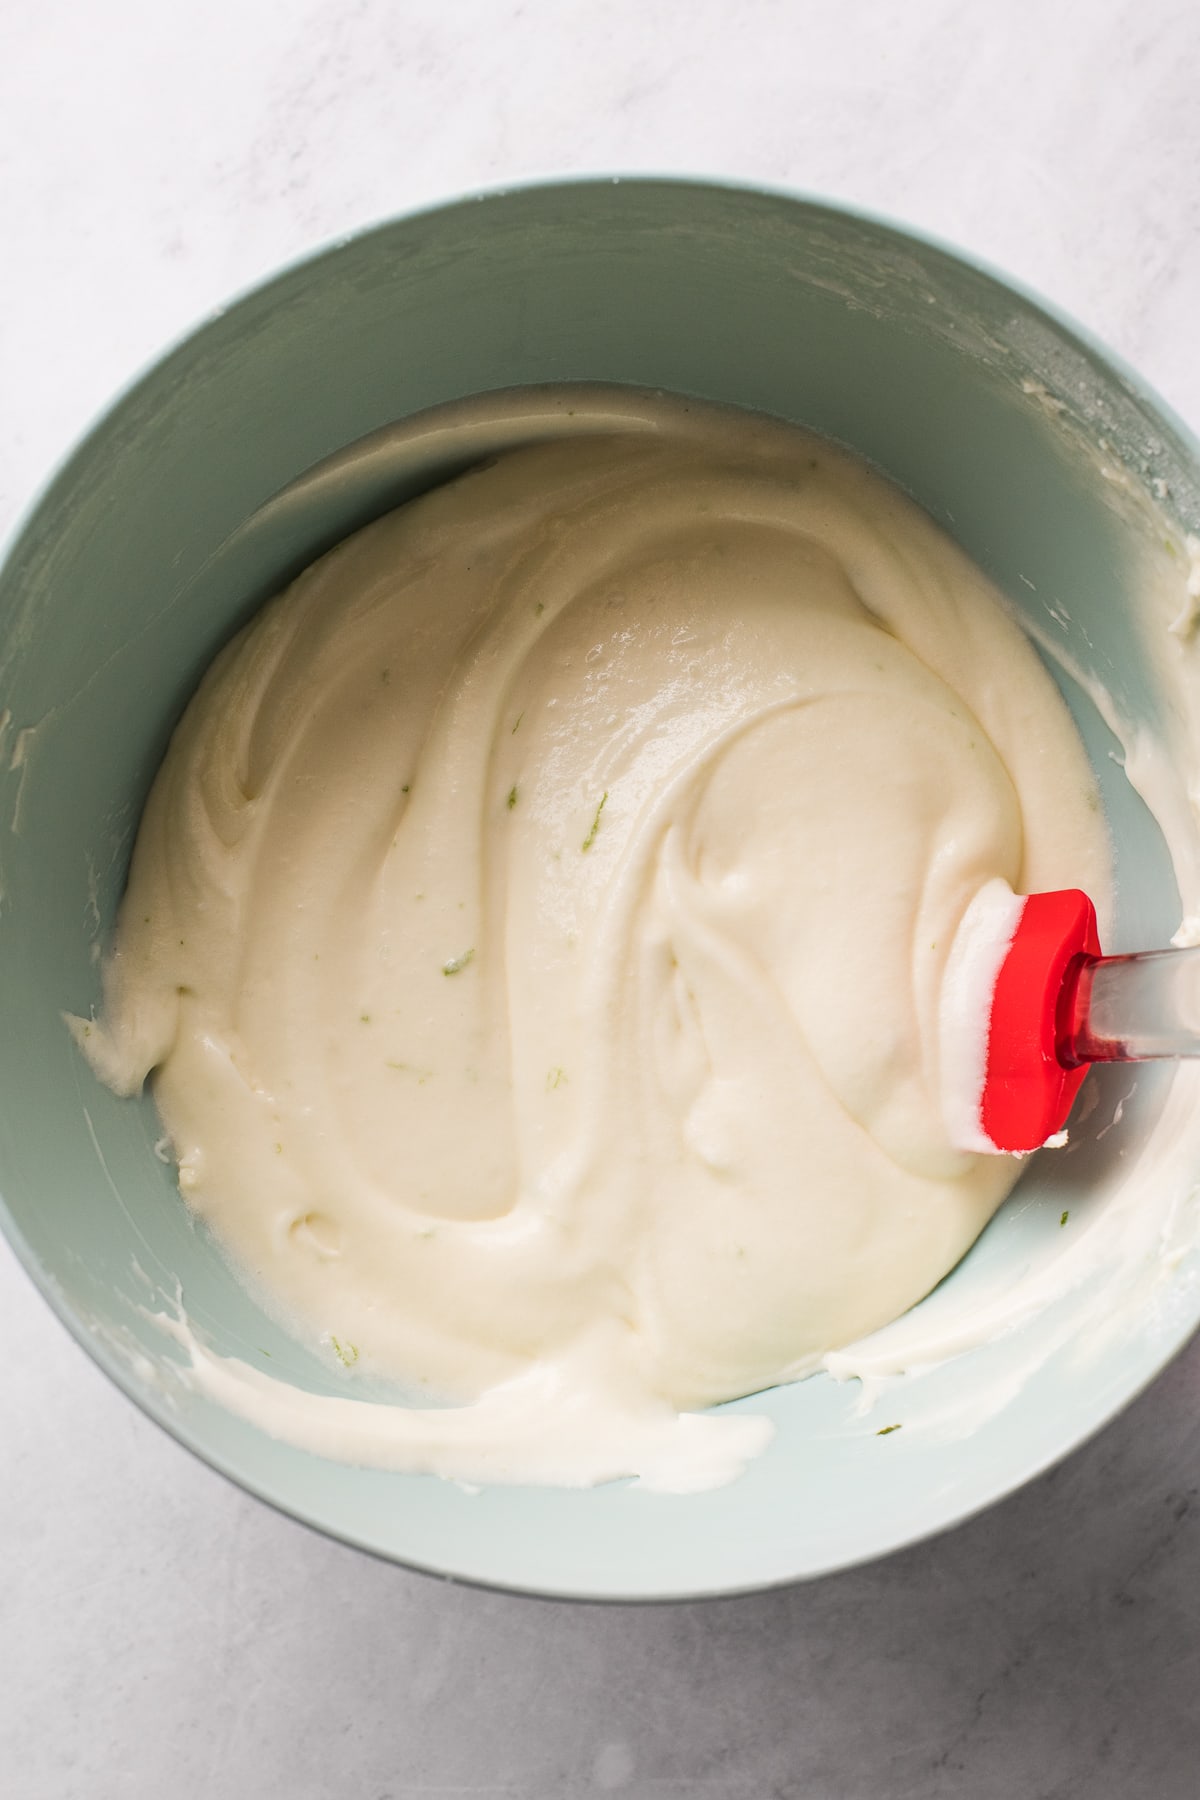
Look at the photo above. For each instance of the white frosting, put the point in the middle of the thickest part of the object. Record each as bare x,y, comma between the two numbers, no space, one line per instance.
537,931
981,944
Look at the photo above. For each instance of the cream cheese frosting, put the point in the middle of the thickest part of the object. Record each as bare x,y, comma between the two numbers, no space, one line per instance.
536,932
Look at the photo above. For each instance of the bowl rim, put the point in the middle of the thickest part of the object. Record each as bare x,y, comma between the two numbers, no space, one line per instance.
25,521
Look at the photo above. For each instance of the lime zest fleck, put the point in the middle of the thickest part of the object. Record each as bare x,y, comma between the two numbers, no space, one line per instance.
512,797
590,839
884,1429
347,1354
1063,1220
458,963
364,1018
539,609
554,1079
403,1068
406,788
517,726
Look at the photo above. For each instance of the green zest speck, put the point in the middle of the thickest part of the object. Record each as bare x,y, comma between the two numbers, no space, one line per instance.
555,1079
1064,1219
512,798
345,1353
422,1075
457,963
590,839
884,1429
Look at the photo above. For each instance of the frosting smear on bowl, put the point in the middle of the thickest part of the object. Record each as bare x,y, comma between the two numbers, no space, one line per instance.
535,938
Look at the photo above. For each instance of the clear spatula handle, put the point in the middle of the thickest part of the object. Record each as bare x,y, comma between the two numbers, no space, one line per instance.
1133,1008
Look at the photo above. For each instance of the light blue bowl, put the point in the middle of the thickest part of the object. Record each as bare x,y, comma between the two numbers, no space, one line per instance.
152,544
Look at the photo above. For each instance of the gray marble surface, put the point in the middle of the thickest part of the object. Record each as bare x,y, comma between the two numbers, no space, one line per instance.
160,1633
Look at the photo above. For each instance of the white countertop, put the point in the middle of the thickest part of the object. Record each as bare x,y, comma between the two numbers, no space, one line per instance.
160,1633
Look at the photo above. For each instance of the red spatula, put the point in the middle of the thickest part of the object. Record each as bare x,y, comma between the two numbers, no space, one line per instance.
1058,1005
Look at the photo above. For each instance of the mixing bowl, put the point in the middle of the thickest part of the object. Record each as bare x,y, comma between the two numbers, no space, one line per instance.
184,508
